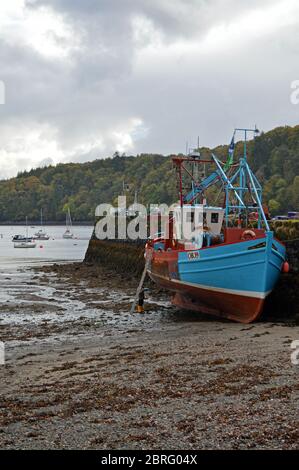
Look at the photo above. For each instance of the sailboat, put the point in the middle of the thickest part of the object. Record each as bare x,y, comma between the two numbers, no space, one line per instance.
68,233
41,234
228,266
24,242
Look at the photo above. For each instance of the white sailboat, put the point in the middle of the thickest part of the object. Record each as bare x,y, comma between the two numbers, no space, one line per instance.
26,242
68,233
41,234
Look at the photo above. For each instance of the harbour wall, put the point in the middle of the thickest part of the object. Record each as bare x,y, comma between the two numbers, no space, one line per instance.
124,256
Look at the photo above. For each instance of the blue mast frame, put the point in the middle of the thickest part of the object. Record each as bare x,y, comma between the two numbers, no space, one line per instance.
247,182
242,182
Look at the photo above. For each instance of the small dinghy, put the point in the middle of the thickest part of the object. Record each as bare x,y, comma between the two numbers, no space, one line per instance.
25,244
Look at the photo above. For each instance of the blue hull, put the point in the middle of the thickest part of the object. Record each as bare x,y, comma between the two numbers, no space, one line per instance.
230,280
246,268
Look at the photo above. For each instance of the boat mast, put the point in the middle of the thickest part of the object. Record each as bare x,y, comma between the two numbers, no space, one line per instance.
243,175
69,220
241,183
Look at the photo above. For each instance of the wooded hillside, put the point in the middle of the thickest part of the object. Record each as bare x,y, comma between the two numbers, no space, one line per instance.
274,156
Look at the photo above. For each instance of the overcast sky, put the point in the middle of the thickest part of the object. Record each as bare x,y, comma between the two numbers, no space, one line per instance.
84,78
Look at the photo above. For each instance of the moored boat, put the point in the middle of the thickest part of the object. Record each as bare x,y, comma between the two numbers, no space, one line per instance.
41,234
68,234
20,238
229,264
25,244
21,241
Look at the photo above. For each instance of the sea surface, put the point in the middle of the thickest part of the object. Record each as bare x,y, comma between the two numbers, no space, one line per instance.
27,302
56,249
40,306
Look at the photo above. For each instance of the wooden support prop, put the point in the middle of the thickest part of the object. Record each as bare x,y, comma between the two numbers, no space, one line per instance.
141,282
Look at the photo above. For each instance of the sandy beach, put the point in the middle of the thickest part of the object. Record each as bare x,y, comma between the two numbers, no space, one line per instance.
81,372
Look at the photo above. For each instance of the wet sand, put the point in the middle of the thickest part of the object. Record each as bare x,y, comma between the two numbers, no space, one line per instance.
81,372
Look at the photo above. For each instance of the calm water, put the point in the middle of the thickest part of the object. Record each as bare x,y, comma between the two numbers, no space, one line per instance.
52,250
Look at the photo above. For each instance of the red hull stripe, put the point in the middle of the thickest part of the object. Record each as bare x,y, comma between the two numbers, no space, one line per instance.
245,293
240,308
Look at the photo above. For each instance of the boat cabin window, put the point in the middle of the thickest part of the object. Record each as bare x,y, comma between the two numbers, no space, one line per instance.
204,225
190,217
214,218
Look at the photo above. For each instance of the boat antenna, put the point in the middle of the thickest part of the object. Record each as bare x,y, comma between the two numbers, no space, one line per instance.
255,132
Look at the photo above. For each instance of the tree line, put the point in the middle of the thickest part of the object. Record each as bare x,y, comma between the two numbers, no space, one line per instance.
274,156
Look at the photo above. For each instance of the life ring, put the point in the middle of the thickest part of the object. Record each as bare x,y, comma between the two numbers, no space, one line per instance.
248,234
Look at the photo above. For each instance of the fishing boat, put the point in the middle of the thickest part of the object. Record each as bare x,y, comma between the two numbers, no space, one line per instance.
41,234
229,264
68,234
21,241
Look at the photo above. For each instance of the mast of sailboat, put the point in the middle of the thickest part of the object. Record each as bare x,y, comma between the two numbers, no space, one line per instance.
70,219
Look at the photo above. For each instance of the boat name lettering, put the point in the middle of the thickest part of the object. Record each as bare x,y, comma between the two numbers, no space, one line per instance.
193,256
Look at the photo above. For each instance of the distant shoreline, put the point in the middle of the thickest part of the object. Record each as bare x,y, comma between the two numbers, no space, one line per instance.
37,223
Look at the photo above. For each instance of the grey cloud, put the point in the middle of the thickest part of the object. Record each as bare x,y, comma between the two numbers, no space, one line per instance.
186,17
109,80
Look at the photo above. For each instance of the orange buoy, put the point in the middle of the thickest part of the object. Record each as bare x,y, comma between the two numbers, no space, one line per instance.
285,267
